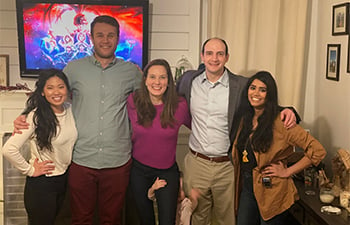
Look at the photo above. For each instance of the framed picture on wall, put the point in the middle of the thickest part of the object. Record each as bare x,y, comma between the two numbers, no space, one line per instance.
348,64
340,19
4,70
333,61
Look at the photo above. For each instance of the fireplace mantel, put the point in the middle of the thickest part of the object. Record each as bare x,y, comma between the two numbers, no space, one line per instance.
12,104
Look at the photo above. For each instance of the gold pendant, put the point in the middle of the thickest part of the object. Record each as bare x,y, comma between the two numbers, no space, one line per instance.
244,157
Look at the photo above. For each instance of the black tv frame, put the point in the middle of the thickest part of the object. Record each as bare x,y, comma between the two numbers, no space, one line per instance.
33,73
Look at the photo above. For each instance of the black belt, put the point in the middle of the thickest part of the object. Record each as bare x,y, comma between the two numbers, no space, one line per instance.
214,159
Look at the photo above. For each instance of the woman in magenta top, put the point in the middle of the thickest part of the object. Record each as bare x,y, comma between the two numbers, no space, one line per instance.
156,113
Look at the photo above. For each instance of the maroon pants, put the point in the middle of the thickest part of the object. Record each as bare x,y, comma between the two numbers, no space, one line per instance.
101,188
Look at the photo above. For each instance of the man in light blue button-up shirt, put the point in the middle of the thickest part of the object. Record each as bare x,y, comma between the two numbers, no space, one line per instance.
212,95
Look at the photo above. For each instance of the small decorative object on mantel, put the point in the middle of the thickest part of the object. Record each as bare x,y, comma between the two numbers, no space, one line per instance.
181,66
340,19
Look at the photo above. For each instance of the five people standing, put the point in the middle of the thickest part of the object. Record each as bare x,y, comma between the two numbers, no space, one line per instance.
101,163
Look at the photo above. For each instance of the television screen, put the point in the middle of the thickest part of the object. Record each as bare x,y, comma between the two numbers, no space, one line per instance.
53,32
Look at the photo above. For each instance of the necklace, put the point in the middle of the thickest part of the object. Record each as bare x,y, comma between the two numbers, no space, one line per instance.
244,157
245,152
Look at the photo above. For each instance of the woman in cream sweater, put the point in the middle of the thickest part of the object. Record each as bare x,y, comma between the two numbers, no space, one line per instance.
52,134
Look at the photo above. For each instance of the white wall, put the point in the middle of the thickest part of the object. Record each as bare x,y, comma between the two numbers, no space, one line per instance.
327,102
8,37
174,31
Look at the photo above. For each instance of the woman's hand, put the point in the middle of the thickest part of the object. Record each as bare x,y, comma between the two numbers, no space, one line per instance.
276,170
41,168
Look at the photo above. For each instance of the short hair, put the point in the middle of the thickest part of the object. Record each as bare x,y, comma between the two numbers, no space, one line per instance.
105,19
220,39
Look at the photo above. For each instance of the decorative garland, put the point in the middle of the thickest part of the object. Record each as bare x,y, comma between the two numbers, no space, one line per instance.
18,86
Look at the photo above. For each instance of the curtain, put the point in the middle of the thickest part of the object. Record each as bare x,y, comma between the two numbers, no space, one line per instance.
265,35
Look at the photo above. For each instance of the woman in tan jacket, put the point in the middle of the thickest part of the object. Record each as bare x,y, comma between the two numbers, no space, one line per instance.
264,187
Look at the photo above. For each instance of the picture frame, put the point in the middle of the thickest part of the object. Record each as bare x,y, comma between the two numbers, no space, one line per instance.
348,61
333,61
340,19
4,70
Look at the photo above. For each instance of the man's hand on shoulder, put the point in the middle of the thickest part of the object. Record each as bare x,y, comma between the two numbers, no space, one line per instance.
19,124
288,118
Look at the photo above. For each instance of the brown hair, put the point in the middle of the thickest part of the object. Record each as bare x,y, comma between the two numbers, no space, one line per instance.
146,111
104,19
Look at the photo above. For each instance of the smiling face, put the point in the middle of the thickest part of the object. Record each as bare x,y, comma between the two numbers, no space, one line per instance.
105,40
156,83
55,92
257,92
214,57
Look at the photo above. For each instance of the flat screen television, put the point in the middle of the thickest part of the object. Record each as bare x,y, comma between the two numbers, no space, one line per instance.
53,32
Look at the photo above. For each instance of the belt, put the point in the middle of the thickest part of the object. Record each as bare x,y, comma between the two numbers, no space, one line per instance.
214,159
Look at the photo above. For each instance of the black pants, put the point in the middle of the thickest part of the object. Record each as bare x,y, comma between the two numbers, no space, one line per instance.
141,179
43,198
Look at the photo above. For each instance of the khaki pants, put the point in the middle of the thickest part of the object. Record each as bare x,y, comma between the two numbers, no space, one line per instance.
216,182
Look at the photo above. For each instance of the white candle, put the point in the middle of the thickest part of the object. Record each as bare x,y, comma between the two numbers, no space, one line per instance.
326,198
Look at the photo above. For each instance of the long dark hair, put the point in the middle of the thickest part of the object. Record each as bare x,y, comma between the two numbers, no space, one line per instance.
44,119
262,136
146,112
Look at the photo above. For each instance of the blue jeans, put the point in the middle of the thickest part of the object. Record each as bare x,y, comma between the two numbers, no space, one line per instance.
248,211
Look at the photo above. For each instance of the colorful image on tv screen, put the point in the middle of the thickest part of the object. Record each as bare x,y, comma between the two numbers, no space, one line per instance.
55,34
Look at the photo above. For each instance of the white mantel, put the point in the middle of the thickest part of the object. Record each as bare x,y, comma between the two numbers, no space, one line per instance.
12,104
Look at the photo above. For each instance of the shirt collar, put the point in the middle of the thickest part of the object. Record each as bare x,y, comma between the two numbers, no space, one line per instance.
223,80
97,63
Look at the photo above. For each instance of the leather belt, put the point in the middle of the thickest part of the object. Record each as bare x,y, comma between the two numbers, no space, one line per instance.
214,159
